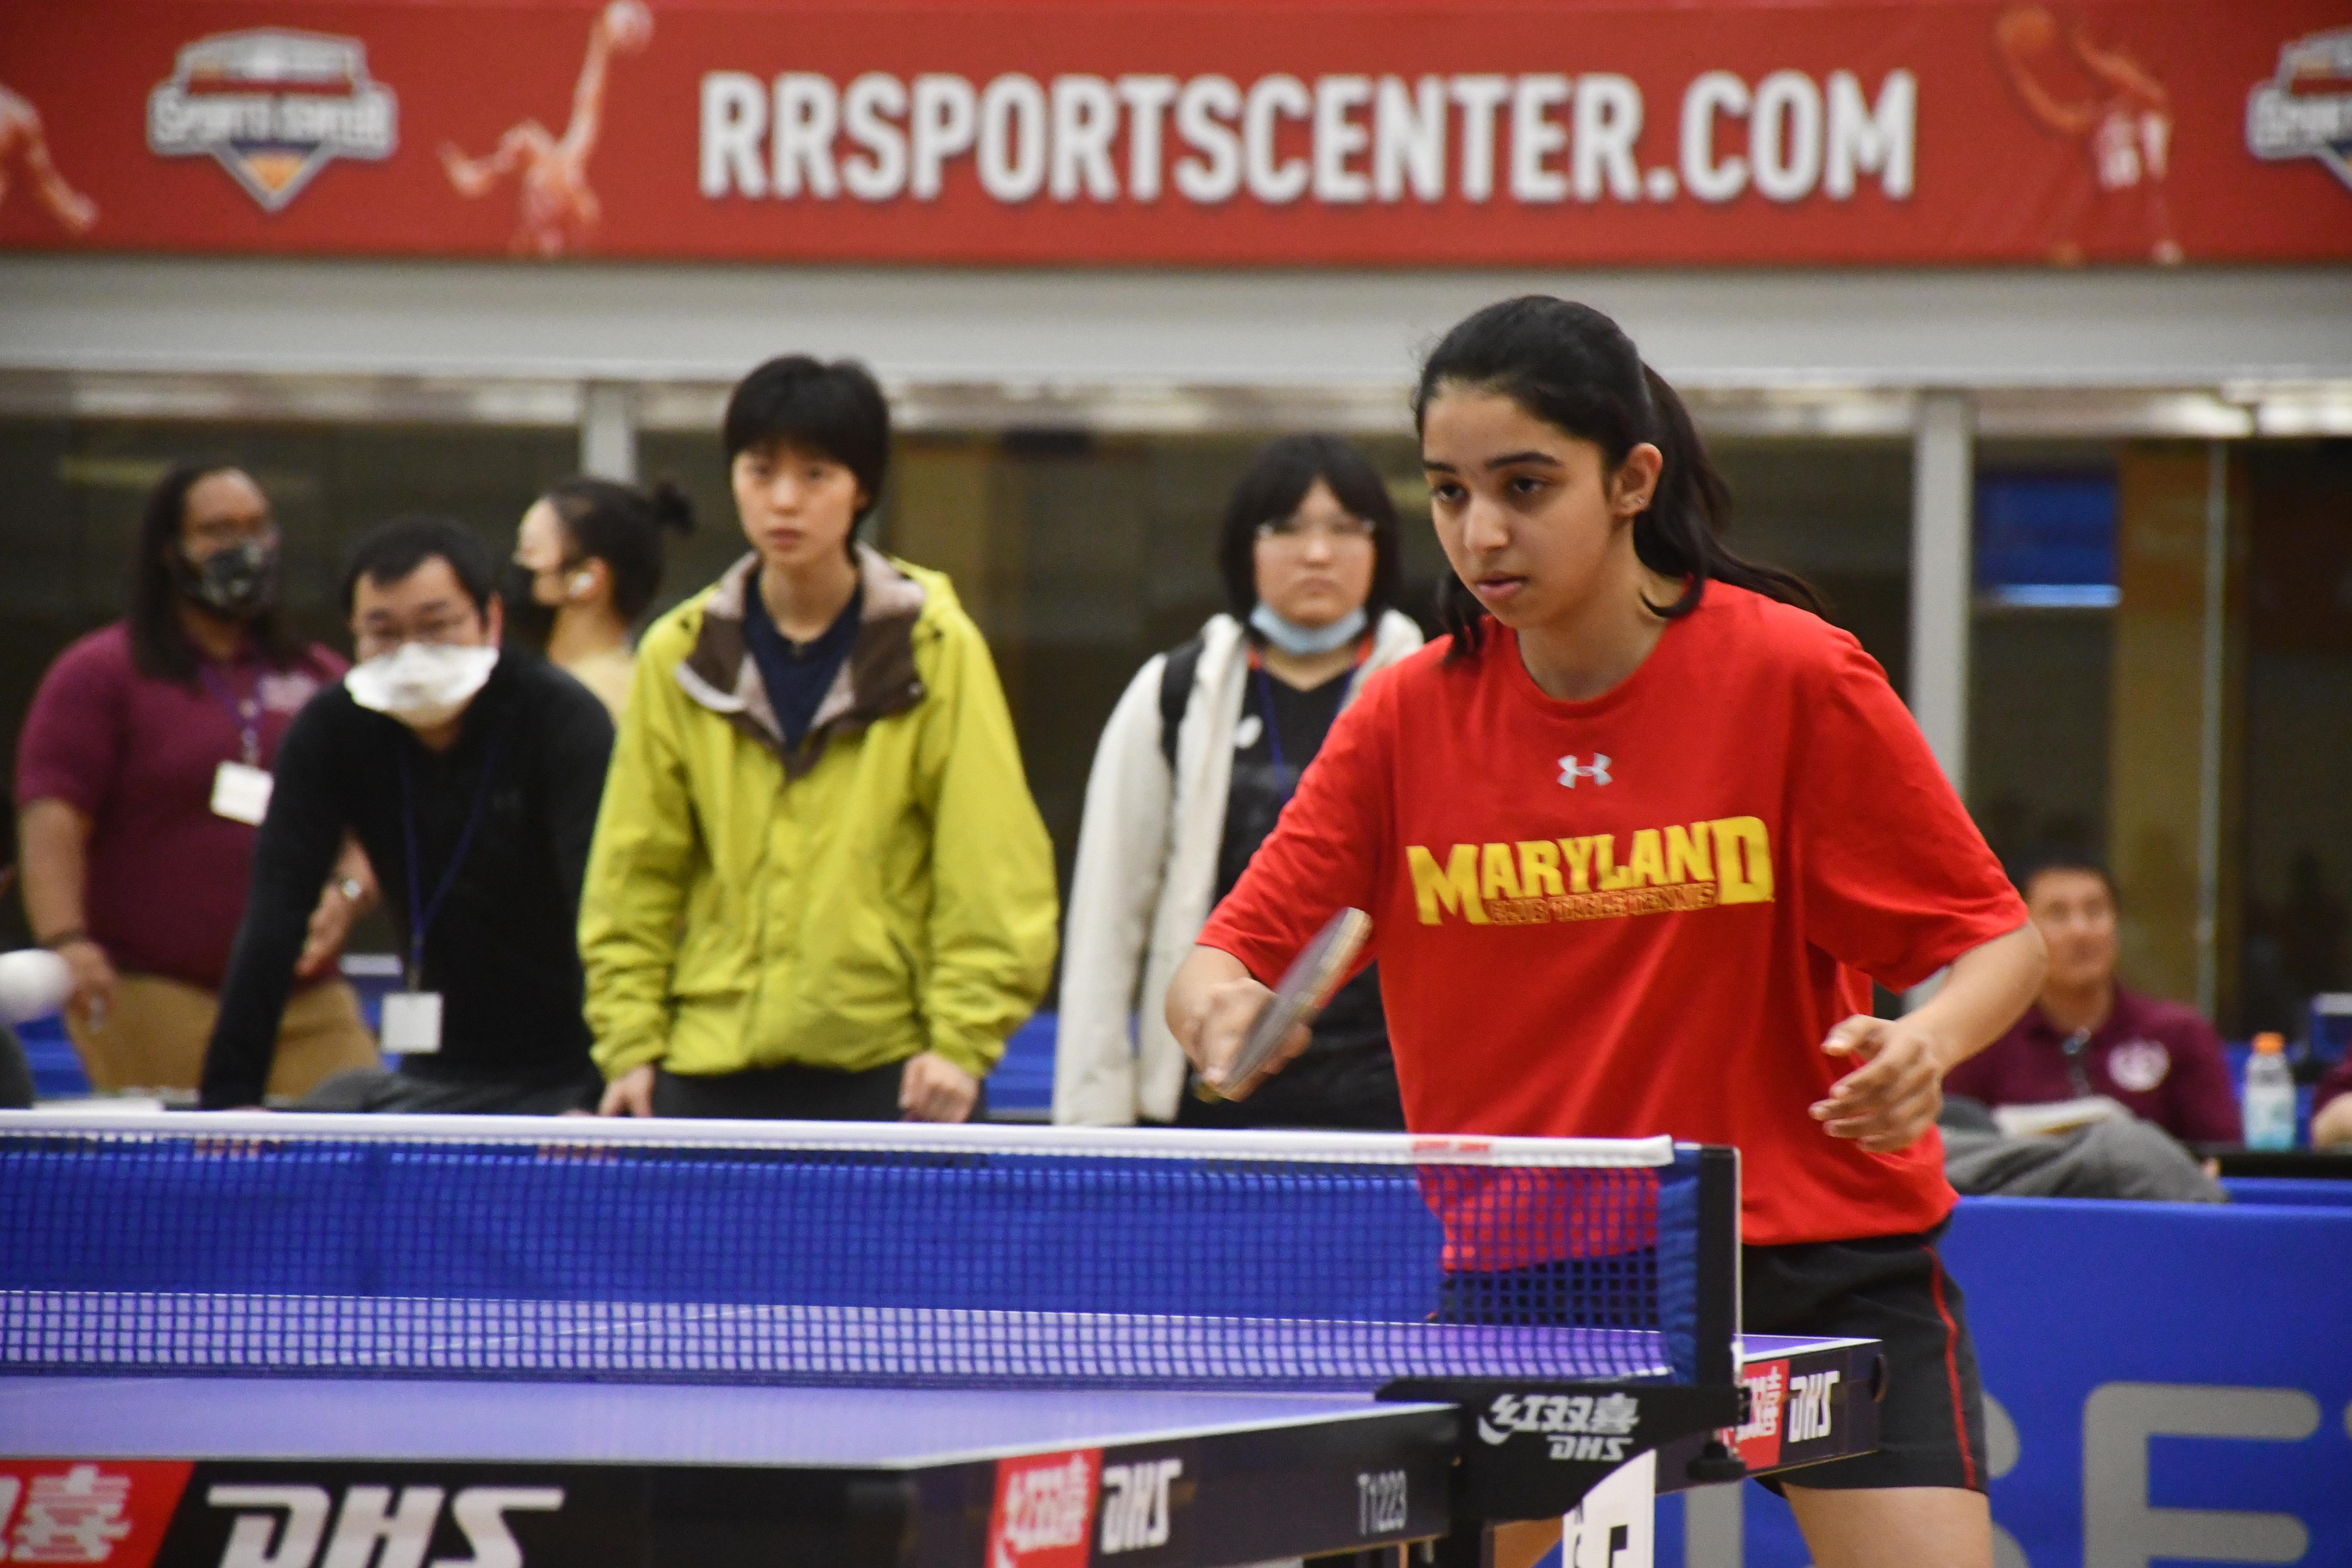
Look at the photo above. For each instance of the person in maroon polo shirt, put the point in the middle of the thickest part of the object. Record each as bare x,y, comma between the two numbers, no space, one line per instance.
2331,1108
2086,1034
142,774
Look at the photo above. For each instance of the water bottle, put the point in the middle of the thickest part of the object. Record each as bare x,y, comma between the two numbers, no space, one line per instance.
2270,1095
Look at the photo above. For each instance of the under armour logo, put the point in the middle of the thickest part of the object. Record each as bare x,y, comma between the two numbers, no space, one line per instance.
1570,773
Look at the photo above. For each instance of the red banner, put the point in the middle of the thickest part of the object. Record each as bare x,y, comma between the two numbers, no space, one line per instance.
1289,132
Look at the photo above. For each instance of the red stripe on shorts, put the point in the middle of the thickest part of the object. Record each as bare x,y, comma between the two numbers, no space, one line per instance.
1952,1367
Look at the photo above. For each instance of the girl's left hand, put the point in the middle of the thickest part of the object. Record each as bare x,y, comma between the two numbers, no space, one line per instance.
1892,1098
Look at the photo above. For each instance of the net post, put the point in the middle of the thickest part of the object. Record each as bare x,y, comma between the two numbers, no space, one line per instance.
1718,1265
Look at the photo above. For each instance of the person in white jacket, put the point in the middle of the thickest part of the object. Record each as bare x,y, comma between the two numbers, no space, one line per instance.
1194,766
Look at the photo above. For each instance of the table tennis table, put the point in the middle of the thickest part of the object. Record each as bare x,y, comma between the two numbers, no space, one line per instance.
323,1429
452,1472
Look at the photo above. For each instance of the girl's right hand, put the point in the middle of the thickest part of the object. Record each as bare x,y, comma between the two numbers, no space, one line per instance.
1211,1003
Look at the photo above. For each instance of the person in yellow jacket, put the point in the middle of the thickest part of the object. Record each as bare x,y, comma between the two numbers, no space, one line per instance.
819,886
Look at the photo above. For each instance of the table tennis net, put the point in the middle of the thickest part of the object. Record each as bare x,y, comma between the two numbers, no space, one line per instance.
836,1253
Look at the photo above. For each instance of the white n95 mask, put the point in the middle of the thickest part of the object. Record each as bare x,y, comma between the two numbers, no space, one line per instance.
422,684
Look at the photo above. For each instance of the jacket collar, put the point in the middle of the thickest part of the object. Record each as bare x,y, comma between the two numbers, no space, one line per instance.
876,679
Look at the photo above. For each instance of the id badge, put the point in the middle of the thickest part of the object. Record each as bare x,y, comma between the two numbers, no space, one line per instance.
412,1023
241,792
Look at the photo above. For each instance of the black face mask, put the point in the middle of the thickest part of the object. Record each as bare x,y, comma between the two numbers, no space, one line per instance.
240,580
529,622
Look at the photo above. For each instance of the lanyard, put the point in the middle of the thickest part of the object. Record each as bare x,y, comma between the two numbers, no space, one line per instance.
2072,1047
246,713
1285,779
422,909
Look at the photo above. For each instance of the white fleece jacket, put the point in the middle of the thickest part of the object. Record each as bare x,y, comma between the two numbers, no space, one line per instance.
1146,870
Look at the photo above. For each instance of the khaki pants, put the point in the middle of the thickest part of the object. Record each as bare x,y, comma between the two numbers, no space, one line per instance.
154,1037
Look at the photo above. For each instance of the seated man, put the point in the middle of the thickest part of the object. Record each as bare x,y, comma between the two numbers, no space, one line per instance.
472,780
2085,1035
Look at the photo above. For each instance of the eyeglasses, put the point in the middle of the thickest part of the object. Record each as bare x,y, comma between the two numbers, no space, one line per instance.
383,637
1343,529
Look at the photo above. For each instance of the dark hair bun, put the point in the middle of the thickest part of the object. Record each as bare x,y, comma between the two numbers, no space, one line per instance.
622,526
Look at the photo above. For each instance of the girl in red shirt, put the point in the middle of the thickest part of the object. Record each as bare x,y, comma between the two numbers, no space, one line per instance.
1635,840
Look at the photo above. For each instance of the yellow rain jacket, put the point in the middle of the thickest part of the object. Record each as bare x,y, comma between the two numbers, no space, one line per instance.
884,890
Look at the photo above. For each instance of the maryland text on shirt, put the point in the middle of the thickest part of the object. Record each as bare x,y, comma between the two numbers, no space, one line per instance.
1536,881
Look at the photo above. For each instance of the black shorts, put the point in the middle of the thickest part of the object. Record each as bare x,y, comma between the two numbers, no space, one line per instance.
1891,1289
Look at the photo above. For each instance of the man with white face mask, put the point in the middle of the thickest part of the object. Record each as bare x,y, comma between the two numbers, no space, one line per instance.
472,781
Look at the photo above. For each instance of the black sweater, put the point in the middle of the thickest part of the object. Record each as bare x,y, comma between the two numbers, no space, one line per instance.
503,949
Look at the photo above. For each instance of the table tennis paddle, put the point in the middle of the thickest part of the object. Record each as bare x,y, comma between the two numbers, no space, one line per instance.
1304,987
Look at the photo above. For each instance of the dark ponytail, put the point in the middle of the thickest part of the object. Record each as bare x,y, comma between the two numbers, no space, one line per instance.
1576,370
623,527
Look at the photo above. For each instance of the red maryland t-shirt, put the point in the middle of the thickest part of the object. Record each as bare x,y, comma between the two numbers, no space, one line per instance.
1642,913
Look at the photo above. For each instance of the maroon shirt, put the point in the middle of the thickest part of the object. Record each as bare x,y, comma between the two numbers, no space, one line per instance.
136,755
2337,1081
2159,1057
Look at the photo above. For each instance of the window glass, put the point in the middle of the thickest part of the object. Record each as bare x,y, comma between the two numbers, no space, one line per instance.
1837,514
2042,645
2292,849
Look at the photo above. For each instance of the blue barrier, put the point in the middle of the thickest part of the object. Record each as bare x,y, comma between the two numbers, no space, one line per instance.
2160,1363
2173,1385
48,1051
1021,1087
2293,1191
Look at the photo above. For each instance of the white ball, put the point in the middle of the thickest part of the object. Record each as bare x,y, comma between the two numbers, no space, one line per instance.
33,984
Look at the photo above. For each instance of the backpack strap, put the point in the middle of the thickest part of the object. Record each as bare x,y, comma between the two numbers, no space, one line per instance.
1176,694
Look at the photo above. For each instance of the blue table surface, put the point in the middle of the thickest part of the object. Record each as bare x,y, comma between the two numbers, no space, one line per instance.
629,1423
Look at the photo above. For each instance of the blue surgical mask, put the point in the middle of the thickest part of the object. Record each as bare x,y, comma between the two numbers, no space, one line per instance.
1304,642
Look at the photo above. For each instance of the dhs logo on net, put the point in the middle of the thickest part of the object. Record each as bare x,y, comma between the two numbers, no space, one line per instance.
1135,1504
1576,1426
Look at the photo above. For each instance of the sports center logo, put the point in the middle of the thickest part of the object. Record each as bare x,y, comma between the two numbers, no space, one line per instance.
2306,110
273,108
